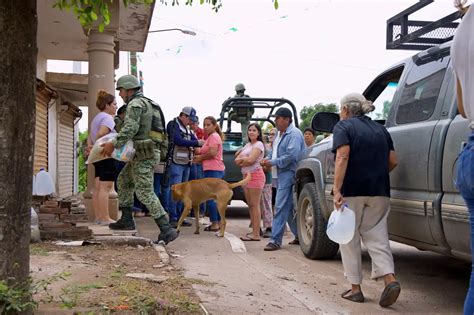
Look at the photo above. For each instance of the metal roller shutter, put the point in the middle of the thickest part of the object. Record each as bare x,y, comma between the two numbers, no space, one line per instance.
66,154
41,131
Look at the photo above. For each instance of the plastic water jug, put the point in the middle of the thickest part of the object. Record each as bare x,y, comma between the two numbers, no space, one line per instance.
341,225
44,183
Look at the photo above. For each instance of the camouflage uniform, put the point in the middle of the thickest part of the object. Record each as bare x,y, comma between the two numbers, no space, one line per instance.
137,175
242,115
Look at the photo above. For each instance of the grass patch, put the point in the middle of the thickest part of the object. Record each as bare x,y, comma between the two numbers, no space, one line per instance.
38,251
71,294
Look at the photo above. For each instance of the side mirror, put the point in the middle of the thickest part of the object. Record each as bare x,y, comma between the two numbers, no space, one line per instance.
324,122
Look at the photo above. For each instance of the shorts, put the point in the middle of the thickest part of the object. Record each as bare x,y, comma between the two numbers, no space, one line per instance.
257,180
106,170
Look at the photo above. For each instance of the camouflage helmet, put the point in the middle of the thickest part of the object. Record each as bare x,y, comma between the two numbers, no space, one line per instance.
127,82
239,87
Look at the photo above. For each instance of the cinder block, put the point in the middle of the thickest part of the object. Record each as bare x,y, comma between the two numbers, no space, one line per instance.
55,225
74,217
56,210
48,217
51,204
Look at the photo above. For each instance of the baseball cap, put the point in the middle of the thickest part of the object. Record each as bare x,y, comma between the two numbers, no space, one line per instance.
284,112
191,112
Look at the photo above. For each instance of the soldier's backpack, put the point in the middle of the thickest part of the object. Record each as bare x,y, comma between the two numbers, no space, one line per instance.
158,129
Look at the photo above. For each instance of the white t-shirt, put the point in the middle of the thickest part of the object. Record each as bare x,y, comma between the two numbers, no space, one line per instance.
246,152
462,54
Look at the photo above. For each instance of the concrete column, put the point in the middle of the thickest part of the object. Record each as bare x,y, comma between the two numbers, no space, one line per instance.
101,77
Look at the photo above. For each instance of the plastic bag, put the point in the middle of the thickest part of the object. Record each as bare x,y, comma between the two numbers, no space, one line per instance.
35,232
124,154
341,225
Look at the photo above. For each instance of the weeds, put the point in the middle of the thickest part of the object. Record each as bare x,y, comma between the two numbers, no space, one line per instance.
71,294
15,299
38,251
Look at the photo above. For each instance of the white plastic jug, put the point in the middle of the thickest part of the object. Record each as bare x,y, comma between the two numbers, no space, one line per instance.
341,225
44,183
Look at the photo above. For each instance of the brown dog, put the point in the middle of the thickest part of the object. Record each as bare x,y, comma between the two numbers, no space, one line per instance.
195,192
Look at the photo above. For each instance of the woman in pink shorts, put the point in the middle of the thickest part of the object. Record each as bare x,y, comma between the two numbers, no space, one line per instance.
248,158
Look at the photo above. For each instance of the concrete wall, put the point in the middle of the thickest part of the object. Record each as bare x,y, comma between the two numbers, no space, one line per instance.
41,67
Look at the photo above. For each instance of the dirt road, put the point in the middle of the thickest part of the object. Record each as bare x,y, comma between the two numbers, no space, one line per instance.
285,282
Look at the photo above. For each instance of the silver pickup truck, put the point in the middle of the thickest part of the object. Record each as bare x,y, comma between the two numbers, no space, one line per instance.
415,100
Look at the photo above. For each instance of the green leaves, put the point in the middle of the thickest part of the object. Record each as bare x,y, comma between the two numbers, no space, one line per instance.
96,12
308,112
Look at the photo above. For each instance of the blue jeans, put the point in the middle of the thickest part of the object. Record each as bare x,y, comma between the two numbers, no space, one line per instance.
465,183
197,173
284,212
211,204
177,174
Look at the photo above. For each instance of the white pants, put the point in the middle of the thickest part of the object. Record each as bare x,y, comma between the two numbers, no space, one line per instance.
371,227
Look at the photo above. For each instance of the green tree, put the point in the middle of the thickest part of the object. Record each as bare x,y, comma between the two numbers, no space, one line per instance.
307,113
385,110
82,161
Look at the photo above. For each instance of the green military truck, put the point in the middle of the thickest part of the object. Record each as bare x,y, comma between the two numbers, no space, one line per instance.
264,112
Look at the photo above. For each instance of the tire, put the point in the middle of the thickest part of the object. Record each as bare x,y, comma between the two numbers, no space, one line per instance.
314,242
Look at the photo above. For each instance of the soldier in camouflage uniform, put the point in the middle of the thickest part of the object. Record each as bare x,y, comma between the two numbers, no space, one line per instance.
242,115
137,175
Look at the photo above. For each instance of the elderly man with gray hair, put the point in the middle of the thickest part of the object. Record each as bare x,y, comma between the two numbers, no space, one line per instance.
364,157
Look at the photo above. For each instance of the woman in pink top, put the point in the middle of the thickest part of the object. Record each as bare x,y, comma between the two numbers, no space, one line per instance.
248,158
210,155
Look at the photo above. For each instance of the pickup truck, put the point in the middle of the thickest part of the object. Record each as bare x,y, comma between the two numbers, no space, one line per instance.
265,109
415,99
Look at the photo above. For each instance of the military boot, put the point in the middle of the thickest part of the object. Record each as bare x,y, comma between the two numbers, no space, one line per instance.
126,221
168,234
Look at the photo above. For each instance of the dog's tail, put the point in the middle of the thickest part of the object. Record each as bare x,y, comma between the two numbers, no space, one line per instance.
242,182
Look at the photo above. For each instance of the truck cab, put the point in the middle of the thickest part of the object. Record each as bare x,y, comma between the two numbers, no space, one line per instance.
415,100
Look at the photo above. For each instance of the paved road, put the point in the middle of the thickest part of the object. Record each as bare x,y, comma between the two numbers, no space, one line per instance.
285,282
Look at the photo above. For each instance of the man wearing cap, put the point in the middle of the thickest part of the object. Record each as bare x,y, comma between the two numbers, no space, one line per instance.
137,175
242,114
180,155
285,156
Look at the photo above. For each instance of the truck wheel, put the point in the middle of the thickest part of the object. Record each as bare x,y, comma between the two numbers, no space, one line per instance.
314,242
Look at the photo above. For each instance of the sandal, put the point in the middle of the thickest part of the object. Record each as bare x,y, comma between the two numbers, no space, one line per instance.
390,294
357,297
294,242
249,238
210,229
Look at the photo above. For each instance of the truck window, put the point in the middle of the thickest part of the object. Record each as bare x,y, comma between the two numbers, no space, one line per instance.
420,92
383,102
382,90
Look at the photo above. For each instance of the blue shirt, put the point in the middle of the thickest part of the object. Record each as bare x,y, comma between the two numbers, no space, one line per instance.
289,149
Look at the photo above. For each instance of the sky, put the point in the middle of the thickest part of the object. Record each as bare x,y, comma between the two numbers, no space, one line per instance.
307,51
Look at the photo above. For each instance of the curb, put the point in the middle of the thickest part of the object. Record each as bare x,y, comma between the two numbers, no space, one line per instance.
123,240
162,252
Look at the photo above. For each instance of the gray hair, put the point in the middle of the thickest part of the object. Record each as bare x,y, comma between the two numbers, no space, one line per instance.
357,105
